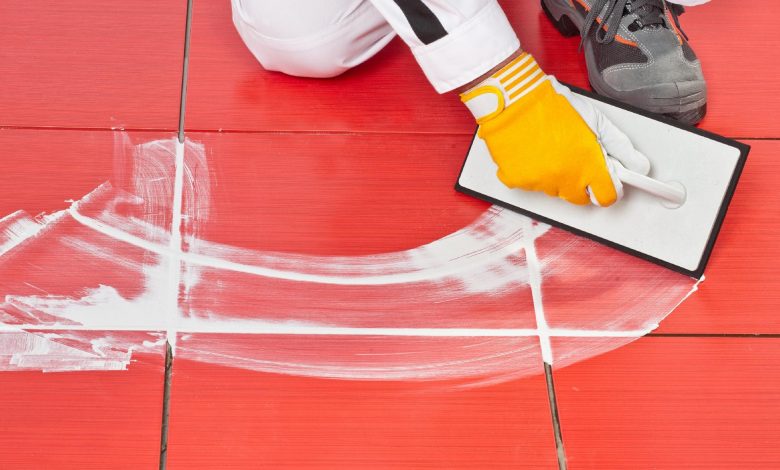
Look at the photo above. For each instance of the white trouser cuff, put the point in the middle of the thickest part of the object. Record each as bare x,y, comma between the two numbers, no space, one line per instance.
468,51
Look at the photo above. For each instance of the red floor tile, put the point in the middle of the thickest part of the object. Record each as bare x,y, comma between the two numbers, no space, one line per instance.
345,208
33,161
673,403
253,419
46,254
64,290
83,420
82,64
42,169
739,293
328,194
229,90
742,91
586,285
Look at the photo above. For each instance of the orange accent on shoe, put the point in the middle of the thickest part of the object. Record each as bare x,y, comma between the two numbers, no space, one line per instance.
625,41
618,37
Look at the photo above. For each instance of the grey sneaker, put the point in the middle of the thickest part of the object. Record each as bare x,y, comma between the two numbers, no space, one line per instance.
636,53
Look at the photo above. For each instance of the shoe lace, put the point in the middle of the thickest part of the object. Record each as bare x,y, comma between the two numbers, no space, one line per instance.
649,14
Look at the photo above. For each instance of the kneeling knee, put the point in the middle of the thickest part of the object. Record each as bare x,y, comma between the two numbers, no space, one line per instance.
312,56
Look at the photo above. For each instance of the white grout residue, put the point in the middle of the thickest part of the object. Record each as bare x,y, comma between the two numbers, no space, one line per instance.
19,226
535,280
451,256
64,351
124,269
171,307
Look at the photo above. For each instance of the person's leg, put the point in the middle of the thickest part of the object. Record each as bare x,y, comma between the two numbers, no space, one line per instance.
311,38
454,41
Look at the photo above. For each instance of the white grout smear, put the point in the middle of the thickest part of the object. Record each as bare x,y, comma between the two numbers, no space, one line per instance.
173,284
494,239
535,280
64,351
83,289
16,228
371,357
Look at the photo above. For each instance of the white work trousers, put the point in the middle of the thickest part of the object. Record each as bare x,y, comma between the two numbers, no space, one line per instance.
454,41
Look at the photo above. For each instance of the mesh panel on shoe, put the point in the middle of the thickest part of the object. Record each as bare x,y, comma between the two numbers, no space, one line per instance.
615,53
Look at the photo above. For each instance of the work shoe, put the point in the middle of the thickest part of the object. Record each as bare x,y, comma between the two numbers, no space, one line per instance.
636,53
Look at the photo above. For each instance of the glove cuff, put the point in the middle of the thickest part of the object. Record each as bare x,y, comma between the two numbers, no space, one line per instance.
490,97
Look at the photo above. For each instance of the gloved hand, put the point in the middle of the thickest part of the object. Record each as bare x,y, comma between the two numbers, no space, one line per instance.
545,138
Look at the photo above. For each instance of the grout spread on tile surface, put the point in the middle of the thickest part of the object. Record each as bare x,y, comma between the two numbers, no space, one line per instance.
123,269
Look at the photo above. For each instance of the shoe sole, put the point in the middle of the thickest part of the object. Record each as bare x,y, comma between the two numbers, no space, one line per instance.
686,102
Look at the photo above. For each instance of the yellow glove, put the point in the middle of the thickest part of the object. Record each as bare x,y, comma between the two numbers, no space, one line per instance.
545,138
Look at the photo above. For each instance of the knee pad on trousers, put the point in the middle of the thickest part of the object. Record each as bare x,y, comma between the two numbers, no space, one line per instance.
329,52
318,62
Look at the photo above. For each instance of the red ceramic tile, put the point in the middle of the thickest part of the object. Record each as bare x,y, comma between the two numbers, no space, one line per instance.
739,293
256,419
51,261
671,403
229,90
116,177
34,160
350,231
82,64
83,420
366,355
327,234
41,170
742,95
586,285
82,390
327,194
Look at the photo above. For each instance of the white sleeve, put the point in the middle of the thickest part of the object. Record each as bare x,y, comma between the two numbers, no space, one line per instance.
454,41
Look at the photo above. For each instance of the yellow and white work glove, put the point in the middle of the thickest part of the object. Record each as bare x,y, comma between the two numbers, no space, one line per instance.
545,138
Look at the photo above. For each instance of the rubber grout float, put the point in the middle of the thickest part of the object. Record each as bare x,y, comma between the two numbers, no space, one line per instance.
671,217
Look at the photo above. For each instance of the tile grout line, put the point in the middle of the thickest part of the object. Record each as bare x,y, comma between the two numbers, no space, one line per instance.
544,333
175,250
556,421
175,245
288,131
166,406
12,127
185,70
